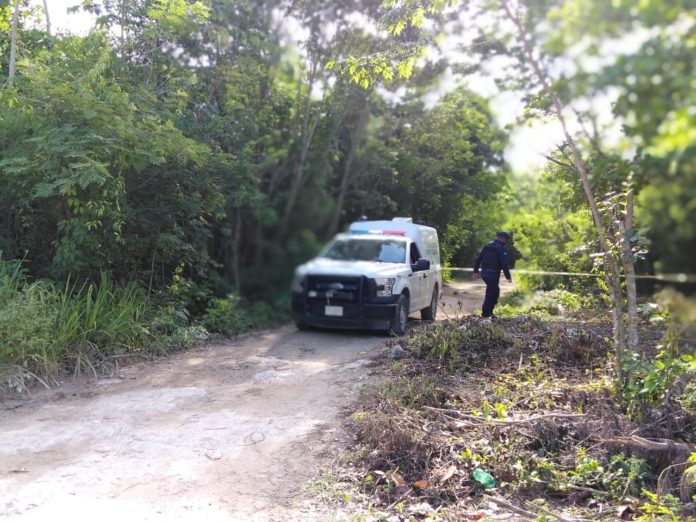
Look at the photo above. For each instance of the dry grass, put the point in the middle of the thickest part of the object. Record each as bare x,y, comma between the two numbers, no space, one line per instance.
531,404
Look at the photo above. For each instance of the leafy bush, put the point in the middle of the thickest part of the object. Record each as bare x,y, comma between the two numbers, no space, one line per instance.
669,376
229,316
171,330
544,303
45,330
262,313
28,322
620,476
468,345
226,317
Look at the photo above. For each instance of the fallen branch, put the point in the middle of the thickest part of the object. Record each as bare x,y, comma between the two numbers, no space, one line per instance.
652,445
508,422
586,489
530,514
548,513
505,504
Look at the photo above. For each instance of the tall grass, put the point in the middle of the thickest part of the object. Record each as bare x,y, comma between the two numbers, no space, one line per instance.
45,331
28,316
99,321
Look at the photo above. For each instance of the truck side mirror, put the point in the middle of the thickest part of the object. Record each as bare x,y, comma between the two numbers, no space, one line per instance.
421,265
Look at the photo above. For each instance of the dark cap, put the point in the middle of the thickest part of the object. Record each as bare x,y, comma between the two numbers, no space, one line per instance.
502,234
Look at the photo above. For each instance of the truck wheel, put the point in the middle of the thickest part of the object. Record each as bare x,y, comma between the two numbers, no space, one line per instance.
428,314
301,325
398,326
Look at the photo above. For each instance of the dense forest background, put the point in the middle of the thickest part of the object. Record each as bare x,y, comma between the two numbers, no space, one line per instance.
207,143
202,149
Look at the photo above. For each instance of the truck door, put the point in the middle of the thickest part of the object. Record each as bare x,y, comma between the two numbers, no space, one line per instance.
432,253
418,281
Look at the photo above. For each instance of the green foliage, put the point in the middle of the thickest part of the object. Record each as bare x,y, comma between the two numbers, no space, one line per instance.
231,316
28,319
226,316
552,233
442,166
652,87
467,347
170,330
74,143
659,507
263,313
98,321
651,382
618,477
669,377
555,302
621,476
45,330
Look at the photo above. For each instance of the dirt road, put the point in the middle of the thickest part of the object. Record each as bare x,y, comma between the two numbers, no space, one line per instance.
232,431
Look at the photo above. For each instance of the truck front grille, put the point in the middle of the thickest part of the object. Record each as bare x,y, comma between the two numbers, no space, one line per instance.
335,289
346,292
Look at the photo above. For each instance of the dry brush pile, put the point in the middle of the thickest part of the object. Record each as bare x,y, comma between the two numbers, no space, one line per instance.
518,416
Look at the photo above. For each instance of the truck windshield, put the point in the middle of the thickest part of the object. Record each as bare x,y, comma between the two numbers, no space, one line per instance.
364,249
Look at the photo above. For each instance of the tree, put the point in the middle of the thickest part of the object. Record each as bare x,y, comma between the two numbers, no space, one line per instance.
200,148
529,23
515,15
13,44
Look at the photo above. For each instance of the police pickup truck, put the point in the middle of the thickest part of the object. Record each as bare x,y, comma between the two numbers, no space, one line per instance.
371,277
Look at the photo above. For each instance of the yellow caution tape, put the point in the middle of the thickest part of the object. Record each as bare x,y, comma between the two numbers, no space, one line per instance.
670,278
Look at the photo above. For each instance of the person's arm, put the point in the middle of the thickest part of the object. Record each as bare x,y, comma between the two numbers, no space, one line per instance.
504,263
477,264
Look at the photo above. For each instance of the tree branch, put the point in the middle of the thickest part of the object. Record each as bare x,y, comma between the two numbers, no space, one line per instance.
560,163
529,514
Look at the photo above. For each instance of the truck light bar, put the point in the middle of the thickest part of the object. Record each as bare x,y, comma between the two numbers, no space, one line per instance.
382,232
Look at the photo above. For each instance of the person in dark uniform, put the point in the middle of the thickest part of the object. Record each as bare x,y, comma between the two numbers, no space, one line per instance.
492,259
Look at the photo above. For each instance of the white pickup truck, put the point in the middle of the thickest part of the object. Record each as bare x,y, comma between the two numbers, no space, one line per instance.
371,277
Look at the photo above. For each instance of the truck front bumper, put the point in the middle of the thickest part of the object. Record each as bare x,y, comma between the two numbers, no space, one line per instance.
366,316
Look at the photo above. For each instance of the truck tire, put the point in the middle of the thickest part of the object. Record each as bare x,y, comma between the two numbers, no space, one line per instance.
429,314
301,325
400,321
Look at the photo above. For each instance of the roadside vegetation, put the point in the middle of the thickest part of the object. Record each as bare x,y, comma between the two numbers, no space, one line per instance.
49,330
524,416
163,174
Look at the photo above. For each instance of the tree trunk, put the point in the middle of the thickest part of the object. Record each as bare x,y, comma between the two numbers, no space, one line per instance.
355,142
48,18
13,44
237,248
122,23
299,178
625,228
612,276
231,247
306,137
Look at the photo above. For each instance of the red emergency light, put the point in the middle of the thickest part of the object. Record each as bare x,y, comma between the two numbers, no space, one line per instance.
380,232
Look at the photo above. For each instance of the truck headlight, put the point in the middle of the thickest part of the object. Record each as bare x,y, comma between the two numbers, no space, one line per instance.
298,283
385,286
